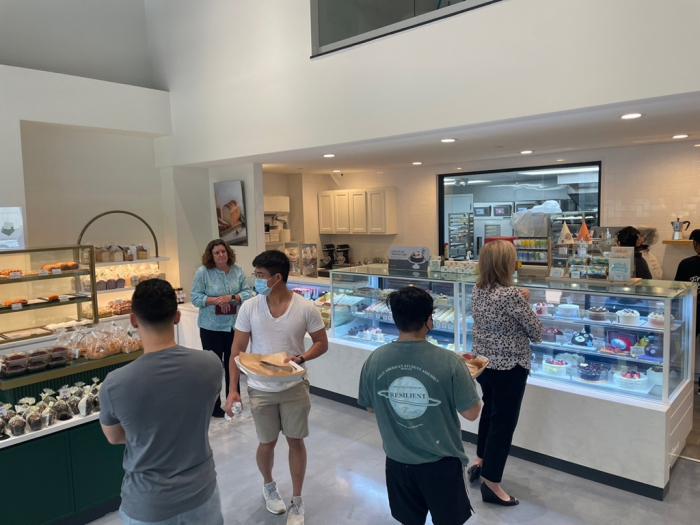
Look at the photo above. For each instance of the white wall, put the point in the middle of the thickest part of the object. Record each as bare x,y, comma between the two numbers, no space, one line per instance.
641,185
73,174
243,84
104,40
59,99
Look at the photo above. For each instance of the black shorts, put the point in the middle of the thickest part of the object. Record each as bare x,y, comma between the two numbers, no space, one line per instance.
438,488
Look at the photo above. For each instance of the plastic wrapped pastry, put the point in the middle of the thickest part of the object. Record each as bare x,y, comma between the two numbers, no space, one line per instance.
10,413
63,411
33,419
86,405
3,427
48,416
17,426
47,396
74,399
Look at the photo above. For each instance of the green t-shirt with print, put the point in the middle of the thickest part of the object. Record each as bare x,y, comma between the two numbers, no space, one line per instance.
416,390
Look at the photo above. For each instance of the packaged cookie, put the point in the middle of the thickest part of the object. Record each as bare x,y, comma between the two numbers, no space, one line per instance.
96,399
63,411
17,426
48,415
25,404
48,396
74,399
33,419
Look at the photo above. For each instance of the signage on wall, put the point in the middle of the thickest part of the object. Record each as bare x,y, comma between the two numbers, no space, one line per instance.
11,229
414,258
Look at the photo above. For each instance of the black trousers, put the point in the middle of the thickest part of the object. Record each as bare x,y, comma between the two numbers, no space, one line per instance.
219,343
503,392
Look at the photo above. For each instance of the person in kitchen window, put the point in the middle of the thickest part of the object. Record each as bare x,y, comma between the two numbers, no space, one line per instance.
504,325
689,270
631,238
220,286
276,320
416,390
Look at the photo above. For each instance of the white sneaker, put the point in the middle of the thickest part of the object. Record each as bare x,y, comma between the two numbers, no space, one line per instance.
273,500
295,514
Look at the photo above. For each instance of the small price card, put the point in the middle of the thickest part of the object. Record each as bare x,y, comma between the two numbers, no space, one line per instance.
64,393
63,298
16,306
56,271
43,272
15,275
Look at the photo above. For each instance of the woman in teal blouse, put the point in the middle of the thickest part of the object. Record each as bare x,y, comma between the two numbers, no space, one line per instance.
220,286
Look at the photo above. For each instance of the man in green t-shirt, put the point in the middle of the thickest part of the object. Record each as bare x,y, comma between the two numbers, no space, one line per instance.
416,389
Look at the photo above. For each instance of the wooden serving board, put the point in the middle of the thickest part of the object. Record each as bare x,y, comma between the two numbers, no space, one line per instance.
250,364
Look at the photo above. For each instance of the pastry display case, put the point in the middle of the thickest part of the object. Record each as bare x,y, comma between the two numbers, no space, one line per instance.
628,340
315,290
43,289
361,316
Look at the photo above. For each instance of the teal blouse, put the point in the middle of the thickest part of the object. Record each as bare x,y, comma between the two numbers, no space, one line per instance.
213,283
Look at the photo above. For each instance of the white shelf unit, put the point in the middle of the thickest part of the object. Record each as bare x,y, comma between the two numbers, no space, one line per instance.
138,261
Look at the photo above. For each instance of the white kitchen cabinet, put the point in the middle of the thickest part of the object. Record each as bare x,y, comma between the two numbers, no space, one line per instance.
326,222
358,211
341,207
382,211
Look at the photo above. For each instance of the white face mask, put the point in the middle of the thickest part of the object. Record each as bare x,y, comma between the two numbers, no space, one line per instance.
261,286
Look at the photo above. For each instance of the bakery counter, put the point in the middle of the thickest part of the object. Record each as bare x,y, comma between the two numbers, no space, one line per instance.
58,426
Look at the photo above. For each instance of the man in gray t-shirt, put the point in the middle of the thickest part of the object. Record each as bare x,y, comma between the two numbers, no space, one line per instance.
160,406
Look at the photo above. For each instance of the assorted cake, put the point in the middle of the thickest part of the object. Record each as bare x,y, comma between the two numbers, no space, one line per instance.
582,339
555,366
592,372
658,319
550,335
597,313
628,317
630,379
568,310
541,308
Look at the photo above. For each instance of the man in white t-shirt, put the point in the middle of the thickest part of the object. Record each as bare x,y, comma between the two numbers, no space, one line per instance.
273,321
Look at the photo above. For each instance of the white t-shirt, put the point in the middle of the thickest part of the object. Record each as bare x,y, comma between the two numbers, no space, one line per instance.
286,333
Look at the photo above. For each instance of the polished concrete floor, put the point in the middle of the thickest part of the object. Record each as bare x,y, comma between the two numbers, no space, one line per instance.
345,482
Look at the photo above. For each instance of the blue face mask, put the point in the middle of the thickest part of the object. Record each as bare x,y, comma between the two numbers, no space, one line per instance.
261,286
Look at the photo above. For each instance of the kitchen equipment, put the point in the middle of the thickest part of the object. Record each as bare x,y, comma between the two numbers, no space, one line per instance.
342,254
328,256
678,228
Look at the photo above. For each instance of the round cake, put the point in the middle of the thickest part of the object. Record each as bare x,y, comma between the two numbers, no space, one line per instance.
550,335
597,313
541,308
555,366
631,379
592,372
658,319
568,310
628,317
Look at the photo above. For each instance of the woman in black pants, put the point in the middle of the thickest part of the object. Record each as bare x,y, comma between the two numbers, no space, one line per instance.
504,325
220,286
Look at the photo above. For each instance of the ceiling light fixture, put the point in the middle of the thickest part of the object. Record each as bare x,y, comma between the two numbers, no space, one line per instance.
379,172
682,136
448,141
336,171
561,160
329,155
458,168
477,181
631,116
417,163
697,145
450,183
559,171
526,152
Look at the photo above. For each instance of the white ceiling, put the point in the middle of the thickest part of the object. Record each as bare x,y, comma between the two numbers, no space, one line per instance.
584,129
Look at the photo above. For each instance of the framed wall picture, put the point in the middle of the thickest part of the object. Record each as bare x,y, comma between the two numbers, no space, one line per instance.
230,212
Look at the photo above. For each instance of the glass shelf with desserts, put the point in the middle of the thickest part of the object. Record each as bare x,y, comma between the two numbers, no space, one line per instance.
361,315
42,288
633,340
316,290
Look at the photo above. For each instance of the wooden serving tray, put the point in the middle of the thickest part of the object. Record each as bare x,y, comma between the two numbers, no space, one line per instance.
251,365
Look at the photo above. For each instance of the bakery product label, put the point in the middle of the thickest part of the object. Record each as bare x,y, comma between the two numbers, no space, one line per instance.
16,306
64,393
56,271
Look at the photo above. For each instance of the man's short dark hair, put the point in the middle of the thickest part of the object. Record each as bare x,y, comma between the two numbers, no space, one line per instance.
410,307
154,304
628,236
274,261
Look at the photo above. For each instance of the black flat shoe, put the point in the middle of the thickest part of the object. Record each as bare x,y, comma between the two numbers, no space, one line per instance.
488,496
474,473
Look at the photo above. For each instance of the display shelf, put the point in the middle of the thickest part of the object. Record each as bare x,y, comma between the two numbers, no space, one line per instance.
575,349
608,385
116,290
45,304
391,322
30,278
138,261
58,426
642,326
679,242
73,367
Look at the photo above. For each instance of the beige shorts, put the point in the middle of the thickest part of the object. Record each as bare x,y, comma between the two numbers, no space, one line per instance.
286,411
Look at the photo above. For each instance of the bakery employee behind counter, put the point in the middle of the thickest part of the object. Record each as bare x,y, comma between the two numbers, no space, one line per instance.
631,238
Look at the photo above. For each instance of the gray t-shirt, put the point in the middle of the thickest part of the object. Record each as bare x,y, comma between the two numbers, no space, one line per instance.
416,390
164,401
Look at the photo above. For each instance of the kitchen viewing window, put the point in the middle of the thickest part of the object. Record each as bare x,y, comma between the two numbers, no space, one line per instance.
477,205
338,24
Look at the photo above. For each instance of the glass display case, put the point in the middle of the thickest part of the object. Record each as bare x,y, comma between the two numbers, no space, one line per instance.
43,288
315,291
630,340
360,314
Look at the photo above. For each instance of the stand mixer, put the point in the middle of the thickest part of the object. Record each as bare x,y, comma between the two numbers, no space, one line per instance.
678,228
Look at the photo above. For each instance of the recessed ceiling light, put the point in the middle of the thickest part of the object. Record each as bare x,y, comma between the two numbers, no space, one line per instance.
447,141
526,152
697,145
336,171
477,181
380,172
458,168
329,155
682,136
630,116
561,160
417,163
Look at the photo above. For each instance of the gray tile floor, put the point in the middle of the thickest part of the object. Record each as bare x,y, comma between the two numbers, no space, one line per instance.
345,482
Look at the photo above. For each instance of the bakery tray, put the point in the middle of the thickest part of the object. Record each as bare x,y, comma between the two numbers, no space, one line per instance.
270,379
36,304
28,278
643,324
